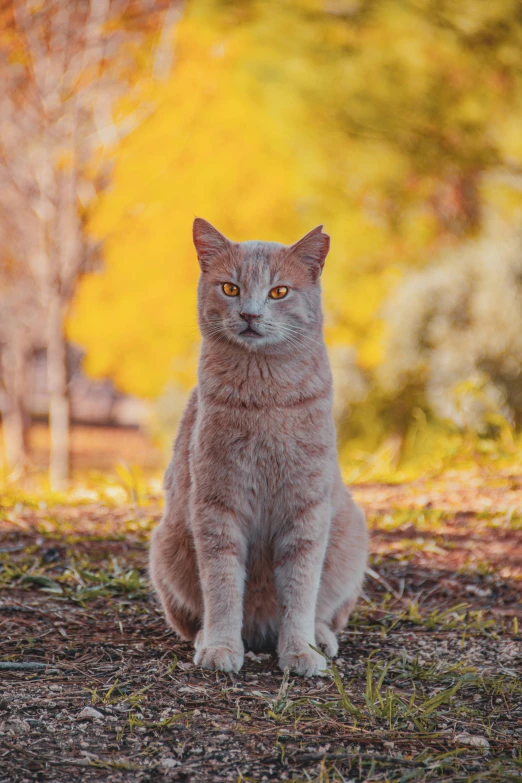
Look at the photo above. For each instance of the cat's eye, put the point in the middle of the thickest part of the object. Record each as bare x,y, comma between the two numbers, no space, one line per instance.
279,292
230,289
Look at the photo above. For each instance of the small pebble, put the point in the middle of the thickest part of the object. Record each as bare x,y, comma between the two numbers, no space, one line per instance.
89,713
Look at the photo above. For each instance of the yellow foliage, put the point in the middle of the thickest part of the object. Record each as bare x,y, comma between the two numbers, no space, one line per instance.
277,117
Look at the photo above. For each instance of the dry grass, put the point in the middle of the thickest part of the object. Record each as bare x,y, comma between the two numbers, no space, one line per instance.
427,685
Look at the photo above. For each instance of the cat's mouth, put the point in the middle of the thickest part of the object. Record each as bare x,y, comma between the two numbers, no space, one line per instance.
250,332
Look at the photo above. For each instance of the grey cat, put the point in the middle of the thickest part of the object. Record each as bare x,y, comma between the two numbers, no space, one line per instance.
260,540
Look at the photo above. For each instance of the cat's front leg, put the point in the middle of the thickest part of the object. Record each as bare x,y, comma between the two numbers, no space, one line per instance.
221,561
299,557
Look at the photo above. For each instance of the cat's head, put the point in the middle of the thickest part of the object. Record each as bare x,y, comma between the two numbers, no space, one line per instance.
258,294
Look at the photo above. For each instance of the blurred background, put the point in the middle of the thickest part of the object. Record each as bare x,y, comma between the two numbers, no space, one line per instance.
396,123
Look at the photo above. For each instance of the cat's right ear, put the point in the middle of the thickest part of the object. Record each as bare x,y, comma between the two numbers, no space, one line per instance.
209,242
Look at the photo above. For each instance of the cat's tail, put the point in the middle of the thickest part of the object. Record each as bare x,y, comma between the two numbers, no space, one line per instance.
173,573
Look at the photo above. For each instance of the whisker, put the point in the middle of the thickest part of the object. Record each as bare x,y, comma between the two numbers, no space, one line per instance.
290,339
297,329
301,333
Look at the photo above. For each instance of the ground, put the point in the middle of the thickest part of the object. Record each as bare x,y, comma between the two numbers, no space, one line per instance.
427,684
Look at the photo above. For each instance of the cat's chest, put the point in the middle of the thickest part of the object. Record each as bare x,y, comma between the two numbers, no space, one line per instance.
266,455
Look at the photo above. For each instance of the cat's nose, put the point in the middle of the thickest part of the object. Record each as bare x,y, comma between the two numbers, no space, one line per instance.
249,317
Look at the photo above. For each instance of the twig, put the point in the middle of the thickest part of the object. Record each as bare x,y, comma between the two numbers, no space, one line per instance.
339,755
25,666
93,763
16,548
386,584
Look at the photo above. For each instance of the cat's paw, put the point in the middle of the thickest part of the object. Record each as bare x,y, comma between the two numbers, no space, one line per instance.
223,658
326,639
303,661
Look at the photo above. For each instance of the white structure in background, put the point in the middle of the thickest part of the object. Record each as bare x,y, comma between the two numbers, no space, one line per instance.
91,401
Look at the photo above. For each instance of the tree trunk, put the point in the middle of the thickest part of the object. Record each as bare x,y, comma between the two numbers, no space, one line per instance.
58,399
14,416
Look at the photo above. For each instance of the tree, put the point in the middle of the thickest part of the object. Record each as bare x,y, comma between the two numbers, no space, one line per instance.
395,124
65,64
21,321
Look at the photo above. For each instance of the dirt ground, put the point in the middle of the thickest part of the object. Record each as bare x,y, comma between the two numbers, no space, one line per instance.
427,684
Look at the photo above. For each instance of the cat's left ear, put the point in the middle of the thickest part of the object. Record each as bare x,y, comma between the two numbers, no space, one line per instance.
209,242
312,249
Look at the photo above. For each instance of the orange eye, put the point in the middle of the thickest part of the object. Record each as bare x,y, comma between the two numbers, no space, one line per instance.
279,292
230,289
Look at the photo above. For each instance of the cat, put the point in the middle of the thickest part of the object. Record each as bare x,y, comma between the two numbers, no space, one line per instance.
260,540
